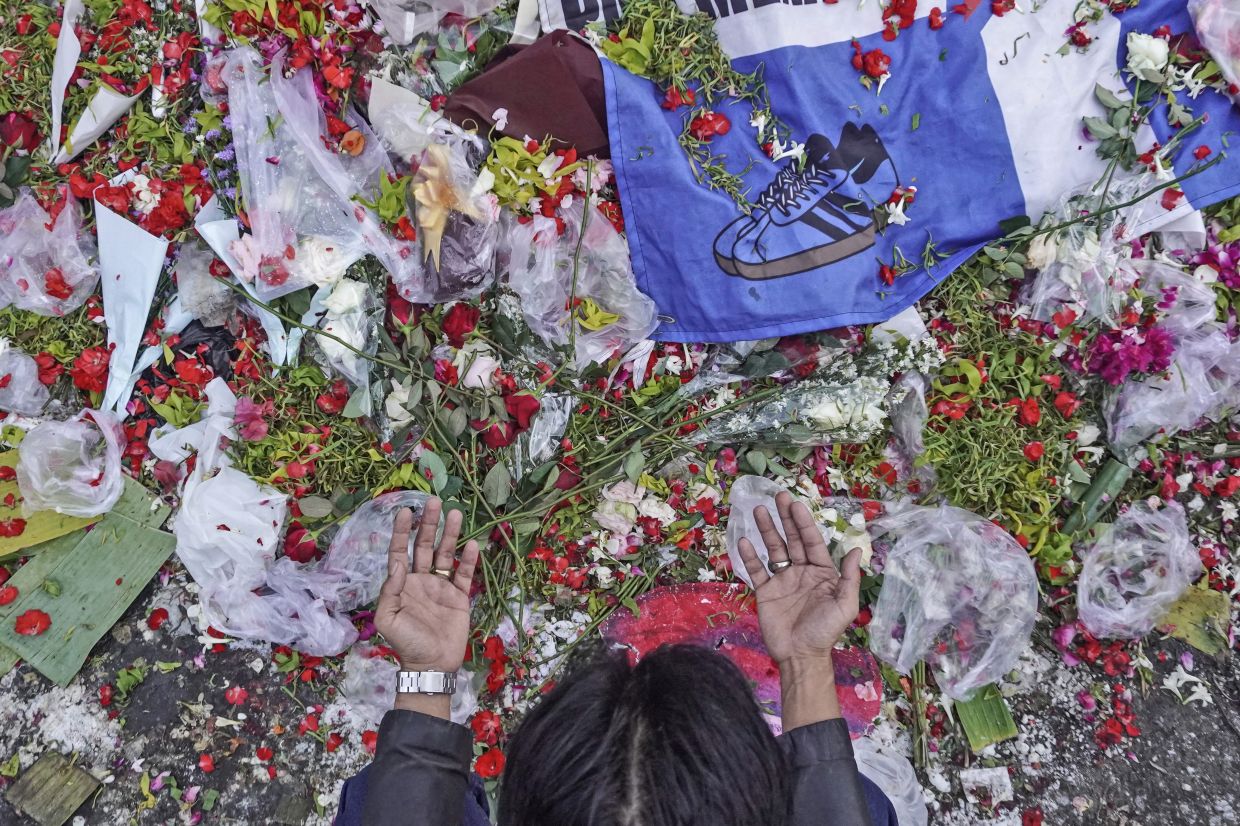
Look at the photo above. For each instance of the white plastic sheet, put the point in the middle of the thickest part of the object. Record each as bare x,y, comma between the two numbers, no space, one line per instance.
893,773
72,467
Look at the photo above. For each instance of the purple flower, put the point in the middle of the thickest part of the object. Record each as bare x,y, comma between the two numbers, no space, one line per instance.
226,154
1115,354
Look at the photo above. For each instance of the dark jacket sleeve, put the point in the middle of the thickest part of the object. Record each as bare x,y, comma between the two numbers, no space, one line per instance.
420,772
826,788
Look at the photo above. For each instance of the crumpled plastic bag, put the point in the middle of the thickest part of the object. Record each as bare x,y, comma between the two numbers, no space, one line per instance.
369,686
21,391
202,294
841,522
1218,28
352,314
893,773
1135,570
46,271
808,414
72,467
289,203
611,313
958,592
244,590
1204,377
357,558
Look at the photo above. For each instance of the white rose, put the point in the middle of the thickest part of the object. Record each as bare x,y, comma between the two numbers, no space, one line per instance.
617,517
320,261
1041,252
395,405
347,297
625,492
476,365
1147,56
653,508
829,414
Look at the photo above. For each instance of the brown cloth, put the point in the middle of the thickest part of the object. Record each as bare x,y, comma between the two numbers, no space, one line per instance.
552,87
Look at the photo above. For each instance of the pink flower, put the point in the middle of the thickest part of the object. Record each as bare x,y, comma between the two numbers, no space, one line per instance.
248,417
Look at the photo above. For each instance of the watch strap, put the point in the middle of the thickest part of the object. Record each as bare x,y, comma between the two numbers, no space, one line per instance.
426,682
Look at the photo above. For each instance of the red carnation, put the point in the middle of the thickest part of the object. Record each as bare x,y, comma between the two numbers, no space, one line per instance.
490,764
32,623
12,527
521,406
708,125
55,285
7,594
90,369
460,321
1034,451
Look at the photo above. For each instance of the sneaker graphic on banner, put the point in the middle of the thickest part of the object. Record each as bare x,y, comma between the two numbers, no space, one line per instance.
814,216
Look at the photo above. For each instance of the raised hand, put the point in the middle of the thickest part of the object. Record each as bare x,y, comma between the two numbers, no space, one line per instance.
803,607
423,615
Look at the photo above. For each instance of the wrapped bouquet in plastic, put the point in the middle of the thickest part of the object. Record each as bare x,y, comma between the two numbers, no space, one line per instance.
1204,375
21,391
958,592
847,400
1135,570
302,231
578,287
1218,28
72,467
45,267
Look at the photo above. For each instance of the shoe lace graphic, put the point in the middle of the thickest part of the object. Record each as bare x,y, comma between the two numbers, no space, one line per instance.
790,186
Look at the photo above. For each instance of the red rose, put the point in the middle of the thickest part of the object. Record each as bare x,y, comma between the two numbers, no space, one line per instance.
49,368
90,369
32,623
460,321
495,434
299,545
490,764
1027,411
1066,403
1034,451
18,131
521,406
334,400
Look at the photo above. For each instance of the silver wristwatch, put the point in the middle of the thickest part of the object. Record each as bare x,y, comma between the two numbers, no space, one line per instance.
426,682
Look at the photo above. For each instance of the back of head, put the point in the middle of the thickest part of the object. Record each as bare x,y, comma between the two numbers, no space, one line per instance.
676,740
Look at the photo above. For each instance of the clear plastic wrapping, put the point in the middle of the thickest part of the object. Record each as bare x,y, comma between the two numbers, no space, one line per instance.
1218,28
21,391
547,271
813,412
1204,377
46,271
1135,570
288,202
72,467
958,592
356,562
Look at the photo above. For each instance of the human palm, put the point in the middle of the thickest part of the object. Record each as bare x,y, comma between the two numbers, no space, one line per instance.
805,606
422,614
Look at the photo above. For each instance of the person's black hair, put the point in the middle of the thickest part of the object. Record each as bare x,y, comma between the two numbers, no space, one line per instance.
677,740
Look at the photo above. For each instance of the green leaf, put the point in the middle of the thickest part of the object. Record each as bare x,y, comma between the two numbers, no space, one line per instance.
634,463
52,587
457,422
1107,98
1099,128
1200,618
756,460
439,471
986,719
916,120
315,507
11,766
497,485
358,404
209,798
